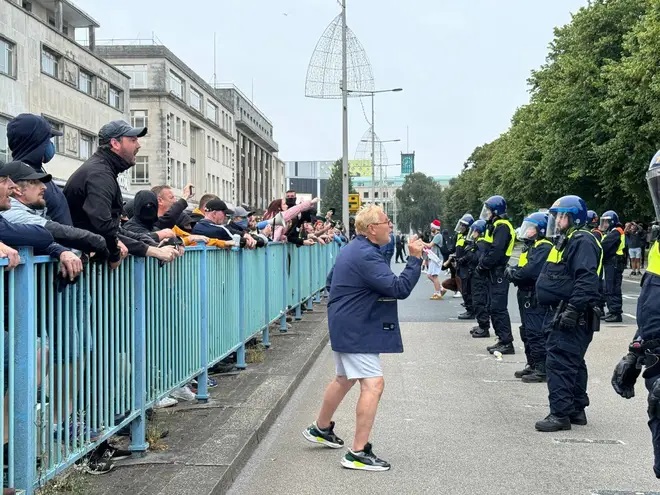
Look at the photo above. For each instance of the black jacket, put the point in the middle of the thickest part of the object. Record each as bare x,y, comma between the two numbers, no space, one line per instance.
80,239
27,139
34,236
95,199
610,244
495,257
145,214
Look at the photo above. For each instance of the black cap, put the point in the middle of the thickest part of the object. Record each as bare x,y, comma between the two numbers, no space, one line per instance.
217,205
20,171
117,129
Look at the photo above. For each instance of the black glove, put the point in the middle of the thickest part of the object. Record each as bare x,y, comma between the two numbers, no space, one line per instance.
654,400
568,318
509,272
481,270
625,375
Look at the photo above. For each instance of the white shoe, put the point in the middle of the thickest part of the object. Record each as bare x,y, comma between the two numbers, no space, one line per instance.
183,393
457,295
165,402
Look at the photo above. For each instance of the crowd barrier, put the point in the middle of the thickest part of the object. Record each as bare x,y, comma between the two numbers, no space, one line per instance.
85,360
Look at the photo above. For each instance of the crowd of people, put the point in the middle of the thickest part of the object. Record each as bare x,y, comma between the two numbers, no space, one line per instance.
89,221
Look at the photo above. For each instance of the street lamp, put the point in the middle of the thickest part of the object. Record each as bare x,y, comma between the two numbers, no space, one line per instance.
380,166
373,133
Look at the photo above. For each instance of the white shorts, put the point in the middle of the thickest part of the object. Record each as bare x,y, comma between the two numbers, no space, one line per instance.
434,269
354,366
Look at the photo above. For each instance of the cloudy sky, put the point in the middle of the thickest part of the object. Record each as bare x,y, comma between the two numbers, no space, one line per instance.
463,65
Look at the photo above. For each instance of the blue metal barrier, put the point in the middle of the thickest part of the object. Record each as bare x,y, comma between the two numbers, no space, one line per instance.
88,359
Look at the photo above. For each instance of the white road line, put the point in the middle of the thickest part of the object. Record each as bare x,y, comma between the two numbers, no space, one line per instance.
631,281
631,316
626,296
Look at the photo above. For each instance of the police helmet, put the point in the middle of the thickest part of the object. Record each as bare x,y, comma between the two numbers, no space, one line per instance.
478,226
592,219
464,223
608,220
533,227
653,181
572,207
495,206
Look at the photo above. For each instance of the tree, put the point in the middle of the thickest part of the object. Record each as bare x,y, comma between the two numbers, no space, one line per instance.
333,191
419,202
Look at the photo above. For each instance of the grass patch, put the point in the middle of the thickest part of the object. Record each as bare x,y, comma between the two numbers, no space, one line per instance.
255,354
154,433
73,482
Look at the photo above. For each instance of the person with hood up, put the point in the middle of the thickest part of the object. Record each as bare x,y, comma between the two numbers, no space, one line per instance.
30,140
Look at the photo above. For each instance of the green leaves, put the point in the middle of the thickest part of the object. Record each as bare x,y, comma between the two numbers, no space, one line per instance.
419,202
333,192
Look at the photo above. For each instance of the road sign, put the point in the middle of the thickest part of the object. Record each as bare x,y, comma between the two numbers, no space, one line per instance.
354,203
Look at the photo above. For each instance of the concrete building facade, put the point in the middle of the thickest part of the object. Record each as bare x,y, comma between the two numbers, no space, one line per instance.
309,177
191,131
43,70
257,168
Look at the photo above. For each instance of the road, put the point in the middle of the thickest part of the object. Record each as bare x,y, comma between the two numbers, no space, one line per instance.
454,420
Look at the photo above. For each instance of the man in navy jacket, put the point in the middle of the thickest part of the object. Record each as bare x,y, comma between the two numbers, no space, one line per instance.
364,322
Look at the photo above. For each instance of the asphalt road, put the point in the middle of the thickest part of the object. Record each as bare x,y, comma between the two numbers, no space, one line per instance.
454,420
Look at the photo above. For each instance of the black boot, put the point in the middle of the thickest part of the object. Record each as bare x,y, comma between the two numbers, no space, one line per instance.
491,347
579,418
613,318
538,376
481,333
527,370
553,423
502,348
466,316
475,328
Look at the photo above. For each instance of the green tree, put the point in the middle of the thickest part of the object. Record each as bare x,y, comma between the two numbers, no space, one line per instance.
333,191
419,201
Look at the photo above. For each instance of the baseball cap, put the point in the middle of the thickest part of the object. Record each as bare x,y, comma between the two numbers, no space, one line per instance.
117,129
239,211
20,171
217,205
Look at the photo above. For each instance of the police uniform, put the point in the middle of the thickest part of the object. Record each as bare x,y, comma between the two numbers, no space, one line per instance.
500,237
614,263
463,272
568,284
479,285
532,314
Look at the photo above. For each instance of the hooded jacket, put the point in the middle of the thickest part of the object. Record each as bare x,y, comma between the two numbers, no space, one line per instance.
95,199
145,213
27,136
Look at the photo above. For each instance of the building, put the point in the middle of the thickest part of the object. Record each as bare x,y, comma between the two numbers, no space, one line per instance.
309,177
43,70
256,167
191,131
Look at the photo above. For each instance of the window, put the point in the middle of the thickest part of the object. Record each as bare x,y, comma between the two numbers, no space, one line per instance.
86,143
184,133
176,85
7,51
140,172
139,118
137,73
114,97
27,5
85,82
50,62
196,99
5,155
366,195
208,147
177,130
58,141
217,151
211,112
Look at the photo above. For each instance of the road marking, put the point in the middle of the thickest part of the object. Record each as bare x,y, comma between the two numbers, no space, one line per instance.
501,381
631,281
622,492
626,296
631,316
588,440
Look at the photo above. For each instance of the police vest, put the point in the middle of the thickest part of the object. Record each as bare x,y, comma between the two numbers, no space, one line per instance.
522,261
654,259
460,240
555,255
488,236
622,242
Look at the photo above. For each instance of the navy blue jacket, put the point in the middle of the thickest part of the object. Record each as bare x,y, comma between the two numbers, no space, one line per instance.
210,229
495,256
525,277
575,279
362,307
34,236
28,137
388,249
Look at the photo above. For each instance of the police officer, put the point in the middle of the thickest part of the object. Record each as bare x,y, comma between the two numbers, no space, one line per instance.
593,222
568,284
500,236
614,262
531,261
645,348
462,270
475,250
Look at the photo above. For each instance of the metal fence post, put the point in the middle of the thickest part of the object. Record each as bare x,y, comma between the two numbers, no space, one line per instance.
285,296
265,336
299,298
202,379
25,390
139,443
240,352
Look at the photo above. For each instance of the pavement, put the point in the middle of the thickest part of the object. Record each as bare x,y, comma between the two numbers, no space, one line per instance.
454,420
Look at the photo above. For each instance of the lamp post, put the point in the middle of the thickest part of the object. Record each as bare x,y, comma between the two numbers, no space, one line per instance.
344,103
380,166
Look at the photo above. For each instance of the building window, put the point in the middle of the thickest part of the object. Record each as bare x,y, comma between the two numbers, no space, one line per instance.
140,172
211,112
139,118
176,85
196,99
58,141
366,195
5,155
137,73
50,62
7,56
27,5
86,144
114,97
177,130
184,133
85,80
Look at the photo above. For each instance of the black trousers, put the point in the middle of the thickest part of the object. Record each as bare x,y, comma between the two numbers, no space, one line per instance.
613,282
466,290
499,301
481,300
399,254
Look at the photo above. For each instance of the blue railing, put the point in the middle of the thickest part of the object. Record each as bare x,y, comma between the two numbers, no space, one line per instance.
88,359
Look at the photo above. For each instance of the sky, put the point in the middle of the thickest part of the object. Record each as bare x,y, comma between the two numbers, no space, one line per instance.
463,65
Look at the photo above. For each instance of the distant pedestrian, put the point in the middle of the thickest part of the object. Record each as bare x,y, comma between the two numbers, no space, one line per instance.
363,321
